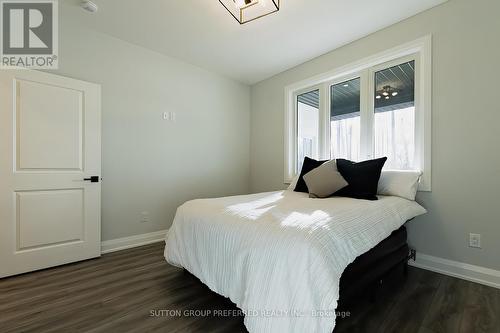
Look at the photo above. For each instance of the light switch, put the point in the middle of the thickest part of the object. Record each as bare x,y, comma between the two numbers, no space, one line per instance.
170,116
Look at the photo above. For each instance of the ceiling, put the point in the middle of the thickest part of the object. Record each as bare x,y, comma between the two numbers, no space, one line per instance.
203,33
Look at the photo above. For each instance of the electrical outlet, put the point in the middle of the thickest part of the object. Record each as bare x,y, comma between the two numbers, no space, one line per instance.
413,255
144,217
475,240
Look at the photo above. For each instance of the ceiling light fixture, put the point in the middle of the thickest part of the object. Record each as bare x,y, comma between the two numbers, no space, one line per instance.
245,11
387,92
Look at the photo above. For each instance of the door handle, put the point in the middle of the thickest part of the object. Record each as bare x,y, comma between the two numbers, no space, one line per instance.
92,179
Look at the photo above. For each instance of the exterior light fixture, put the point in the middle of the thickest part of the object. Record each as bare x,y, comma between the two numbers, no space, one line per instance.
245,11
387,92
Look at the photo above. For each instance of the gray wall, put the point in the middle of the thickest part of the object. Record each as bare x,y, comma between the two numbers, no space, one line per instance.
465,121
149,164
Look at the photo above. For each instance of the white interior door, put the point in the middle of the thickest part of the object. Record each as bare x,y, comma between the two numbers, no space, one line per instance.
50,141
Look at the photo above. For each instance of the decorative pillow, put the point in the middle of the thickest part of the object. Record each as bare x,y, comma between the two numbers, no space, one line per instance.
402,184
325,180
362,177
307,166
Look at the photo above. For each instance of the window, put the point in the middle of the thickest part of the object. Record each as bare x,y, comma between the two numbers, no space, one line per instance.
394,125
307,126
377,107
345,122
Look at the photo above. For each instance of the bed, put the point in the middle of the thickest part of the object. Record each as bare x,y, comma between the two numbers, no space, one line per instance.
279,256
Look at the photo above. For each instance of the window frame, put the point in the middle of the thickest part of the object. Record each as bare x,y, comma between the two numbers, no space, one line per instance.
418,50
321,131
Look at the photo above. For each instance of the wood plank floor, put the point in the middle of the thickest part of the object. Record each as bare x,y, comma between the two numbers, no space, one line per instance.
137,291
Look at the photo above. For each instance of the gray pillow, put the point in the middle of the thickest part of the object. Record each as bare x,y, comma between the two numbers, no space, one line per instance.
325,180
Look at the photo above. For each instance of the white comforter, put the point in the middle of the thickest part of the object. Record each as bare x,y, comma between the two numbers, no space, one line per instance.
279,255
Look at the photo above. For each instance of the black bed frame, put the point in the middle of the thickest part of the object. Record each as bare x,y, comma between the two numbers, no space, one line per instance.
366,275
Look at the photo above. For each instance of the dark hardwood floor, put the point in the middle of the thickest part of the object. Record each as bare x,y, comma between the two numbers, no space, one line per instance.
137,291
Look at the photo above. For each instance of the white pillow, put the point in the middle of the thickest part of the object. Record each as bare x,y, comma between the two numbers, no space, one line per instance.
399,183
292,185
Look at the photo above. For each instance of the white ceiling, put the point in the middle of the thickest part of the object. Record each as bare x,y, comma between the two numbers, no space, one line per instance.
203,33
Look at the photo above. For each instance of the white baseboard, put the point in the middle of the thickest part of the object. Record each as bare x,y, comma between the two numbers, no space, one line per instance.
478,274
132,241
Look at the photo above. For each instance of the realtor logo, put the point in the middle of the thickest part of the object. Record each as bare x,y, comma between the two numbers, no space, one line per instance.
29,35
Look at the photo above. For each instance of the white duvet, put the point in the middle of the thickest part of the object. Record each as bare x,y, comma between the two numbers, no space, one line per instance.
279,255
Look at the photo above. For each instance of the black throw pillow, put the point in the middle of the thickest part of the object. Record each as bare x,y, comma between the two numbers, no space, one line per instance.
362,177
308,165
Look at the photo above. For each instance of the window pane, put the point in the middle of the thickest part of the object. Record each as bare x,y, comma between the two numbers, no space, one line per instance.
308,126
345,120
395,116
